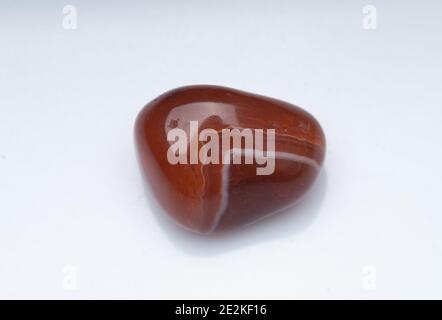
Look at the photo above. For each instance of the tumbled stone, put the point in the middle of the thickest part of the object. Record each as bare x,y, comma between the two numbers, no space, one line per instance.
206,152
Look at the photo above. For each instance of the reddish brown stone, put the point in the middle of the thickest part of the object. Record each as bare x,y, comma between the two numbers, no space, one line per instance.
209,197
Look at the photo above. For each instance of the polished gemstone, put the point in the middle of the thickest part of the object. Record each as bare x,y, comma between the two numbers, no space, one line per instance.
217,158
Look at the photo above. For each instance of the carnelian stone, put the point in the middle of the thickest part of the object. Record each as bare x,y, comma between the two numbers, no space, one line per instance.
210,196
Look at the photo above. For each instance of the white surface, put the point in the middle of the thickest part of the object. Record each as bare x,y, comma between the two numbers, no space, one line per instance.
72,203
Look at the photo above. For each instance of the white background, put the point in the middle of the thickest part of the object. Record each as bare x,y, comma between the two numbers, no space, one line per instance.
75,221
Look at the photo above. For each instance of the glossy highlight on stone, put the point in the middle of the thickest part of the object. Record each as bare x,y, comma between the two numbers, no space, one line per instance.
217,196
